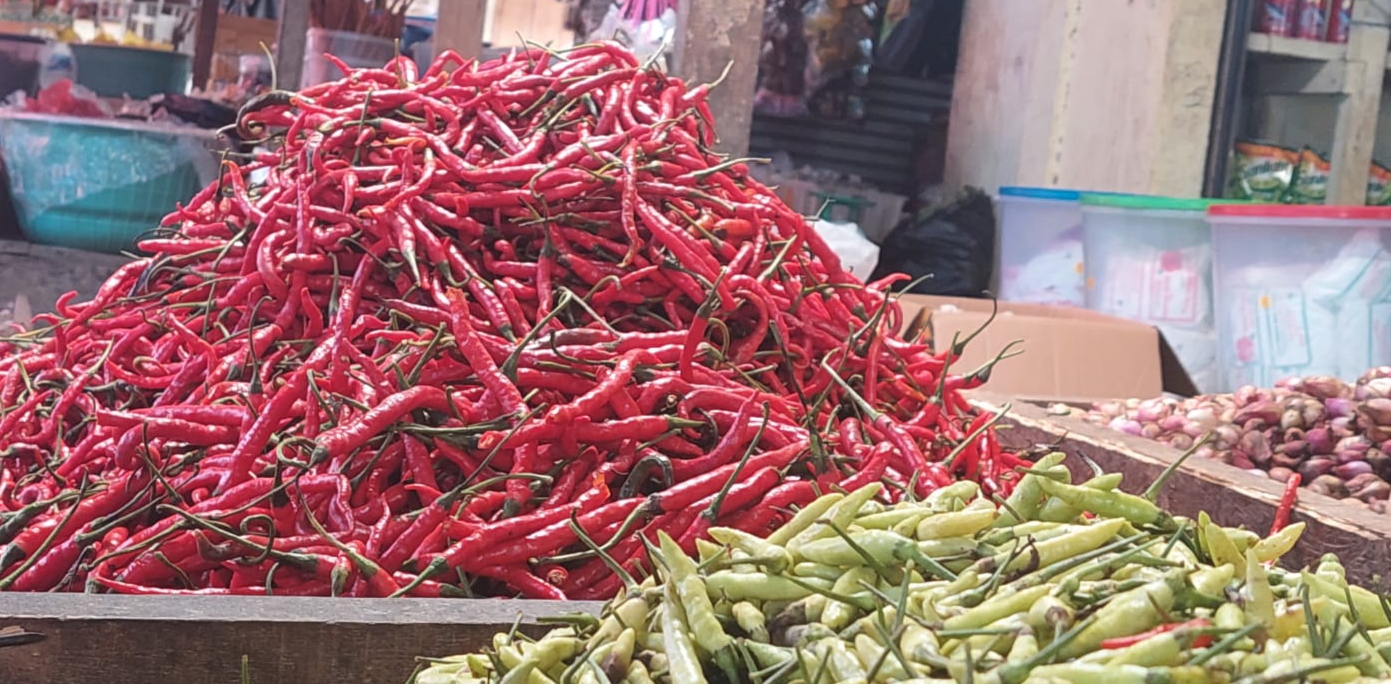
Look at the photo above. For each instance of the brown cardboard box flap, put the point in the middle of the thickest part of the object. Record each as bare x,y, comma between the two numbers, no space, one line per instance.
1066,352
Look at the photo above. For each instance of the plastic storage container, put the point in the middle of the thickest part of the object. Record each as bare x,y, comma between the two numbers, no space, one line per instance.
1149,259
356,50
1301,290
1041,246
116,70
96,184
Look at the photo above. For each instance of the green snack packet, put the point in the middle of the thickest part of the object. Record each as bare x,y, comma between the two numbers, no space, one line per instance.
1263,173
1379,186
1310,179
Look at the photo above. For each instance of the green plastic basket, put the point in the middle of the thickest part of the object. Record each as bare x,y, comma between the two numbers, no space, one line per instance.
98,185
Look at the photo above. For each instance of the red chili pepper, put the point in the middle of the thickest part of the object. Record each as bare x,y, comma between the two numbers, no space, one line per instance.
1287,502
1199,641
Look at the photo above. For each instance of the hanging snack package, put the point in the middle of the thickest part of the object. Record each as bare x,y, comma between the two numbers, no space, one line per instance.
1261,172
1310,178
782,61
841,37
1378,185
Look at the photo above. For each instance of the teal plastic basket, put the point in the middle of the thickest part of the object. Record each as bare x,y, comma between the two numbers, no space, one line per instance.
95,184
116,70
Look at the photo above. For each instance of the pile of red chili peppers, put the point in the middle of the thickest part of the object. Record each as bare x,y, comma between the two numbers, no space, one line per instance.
472,331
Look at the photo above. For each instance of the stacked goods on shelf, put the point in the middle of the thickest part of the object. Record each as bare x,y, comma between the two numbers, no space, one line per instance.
456,327
1325,20
1271,173
953,589
1328,435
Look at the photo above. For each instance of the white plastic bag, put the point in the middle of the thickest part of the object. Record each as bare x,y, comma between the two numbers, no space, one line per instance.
646,38
856,252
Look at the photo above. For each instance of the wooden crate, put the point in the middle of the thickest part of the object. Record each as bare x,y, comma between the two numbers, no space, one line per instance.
140,639
1232,496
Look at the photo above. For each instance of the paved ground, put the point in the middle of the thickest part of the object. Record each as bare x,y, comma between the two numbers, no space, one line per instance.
42,274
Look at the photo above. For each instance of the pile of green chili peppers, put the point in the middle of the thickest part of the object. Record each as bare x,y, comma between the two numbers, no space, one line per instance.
1059,583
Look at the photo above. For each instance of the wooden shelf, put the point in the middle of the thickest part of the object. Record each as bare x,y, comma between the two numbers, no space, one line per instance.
1295,48
1354,73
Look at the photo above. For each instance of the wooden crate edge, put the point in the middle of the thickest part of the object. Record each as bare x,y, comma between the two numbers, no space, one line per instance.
1232,496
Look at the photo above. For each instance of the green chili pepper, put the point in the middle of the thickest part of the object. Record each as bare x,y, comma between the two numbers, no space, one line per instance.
767,655
997,607
804,518
1137,510
1272,548
771,556
751,620
839,614
961,524
870,547
838,516
1024,502
1045,553
887,519
1132,612
739,586
682,661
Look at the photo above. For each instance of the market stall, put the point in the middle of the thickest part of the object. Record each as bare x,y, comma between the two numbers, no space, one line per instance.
505,370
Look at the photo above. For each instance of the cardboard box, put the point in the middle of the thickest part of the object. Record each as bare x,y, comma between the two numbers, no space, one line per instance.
1066,353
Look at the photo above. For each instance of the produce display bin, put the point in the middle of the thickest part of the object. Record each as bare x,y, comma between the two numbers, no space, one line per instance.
1041,246
1301,290
117,70
142,639
356,50
1149,259
1232,496
99,184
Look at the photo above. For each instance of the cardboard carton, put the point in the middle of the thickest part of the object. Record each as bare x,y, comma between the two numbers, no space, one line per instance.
1066,353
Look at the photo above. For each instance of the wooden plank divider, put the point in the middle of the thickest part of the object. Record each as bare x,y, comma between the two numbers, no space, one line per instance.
142,639
1232,496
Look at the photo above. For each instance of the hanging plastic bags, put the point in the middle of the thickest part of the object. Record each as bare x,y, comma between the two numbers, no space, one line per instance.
840,34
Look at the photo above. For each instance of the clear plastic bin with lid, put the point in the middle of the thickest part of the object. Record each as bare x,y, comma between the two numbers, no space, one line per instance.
1149,259
1041,246
1301,290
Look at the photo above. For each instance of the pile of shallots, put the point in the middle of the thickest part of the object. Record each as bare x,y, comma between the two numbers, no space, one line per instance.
1336,435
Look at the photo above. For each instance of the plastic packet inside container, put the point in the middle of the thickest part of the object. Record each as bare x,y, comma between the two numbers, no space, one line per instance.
1356,305
1161,287
1052,276
1277,331
1339,276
